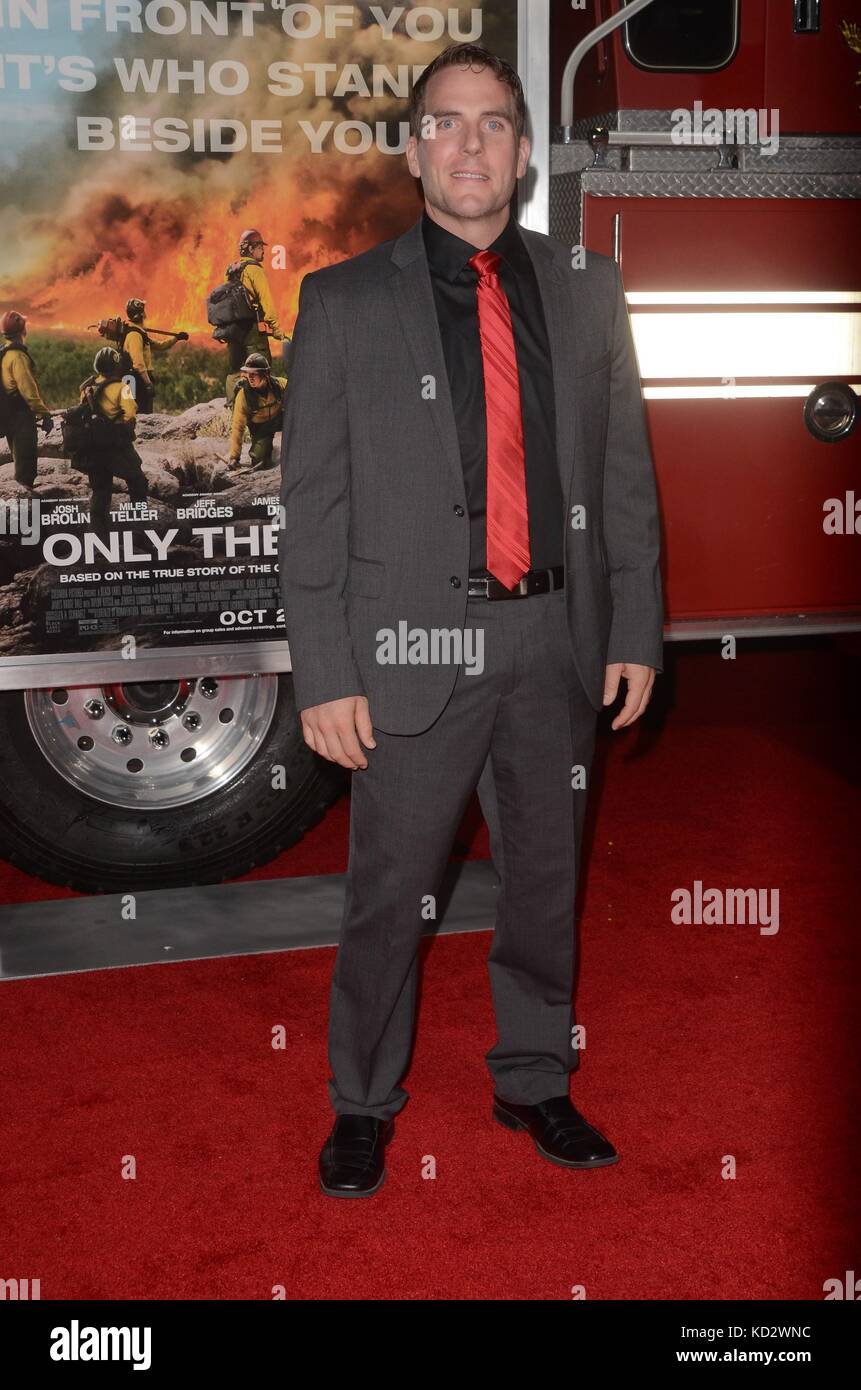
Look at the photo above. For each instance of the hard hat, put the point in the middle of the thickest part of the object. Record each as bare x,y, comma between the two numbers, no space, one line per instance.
248,237
12,323
255,362
135,308
108,362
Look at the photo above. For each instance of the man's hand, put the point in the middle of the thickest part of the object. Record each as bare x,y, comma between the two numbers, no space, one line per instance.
640,681
333,730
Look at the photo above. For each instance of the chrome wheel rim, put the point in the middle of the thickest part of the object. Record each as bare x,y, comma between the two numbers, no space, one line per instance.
153,744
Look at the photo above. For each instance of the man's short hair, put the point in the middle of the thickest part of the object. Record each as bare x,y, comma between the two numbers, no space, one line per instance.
467,55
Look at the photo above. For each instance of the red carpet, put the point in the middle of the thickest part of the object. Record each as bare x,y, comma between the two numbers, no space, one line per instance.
702,1042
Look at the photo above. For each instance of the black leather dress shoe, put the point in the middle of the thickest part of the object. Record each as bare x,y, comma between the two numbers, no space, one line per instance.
558,1131
352,1160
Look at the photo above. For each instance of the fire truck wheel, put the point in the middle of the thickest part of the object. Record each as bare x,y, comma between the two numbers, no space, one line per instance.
156,784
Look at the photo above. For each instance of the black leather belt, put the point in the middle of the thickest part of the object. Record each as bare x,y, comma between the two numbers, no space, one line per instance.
534,582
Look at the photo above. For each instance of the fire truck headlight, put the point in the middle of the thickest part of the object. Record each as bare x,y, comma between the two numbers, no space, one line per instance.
831,411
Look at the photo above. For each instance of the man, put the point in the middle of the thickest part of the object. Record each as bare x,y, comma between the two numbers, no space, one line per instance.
253,277
140,348
258,402
106,391
464,451
21,404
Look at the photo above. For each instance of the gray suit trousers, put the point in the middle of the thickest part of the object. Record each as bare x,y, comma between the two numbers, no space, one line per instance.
517,729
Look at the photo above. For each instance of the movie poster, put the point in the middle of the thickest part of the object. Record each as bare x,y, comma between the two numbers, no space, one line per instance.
154,153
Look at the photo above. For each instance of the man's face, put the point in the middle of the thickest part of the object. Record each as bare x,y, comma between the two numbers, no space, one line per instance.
257,380
471,160
256,249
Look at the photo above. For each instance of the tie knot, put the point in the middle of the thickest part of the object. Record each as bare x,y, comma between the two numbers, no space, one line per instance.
485,262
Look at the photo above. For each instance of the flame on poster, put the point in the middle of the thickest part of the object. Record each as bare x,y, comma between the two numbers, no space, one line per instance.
288,118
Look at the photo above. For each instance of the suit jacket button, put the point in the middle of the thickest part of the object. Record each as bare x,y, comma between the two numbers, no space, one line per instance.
458,511
454,582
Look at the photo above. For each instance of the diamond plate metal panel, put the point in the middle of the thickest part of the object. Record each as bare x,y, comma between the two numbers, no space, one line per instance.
572,176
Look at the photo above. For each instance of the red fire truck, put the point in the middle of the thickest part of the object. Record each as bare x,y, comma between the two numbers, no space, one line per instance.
713,148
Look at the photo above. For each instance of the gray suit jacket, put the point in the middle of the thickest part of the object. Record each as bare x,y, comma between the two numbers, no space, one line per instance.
375,529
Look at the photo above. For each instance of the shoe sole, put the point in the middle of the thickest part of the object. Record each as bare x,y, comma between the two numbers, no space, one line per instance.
339,1192
502,1117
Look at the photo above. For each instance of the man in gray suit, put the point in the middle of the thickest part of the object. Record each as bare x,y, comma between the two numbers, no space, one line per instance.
469,567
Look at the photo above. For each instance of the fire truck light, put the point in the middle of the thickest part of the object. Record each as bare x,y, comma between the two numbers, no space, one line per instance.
772,348
744,297
730,391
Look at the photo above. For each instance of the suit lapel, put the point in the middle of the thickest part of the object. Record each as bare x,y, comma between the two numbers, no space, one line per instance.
556,300
414,300
413,296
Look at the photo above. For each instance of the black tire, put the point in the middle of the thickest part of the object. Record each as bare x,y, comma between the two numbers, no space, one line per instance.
50,829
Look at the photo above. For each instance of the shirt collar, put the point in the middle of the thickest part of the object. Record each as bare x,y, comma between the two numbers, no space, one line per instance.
448,254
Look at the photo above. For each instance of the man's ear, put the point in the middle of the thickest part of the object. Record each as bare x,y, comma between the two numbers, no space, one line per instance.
523,154
411,152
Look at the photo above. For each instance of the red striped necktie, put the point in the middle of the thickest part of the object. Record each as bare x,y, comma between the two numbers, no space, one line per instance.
507,517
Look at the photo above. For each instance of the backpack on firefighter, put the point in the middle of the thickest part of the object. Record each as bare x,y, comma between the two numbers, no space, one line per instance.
115,331
85,430
230,307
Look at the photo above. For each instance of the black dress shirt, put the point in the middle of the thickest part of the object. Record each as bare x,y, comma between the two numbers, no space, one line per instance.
454,284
